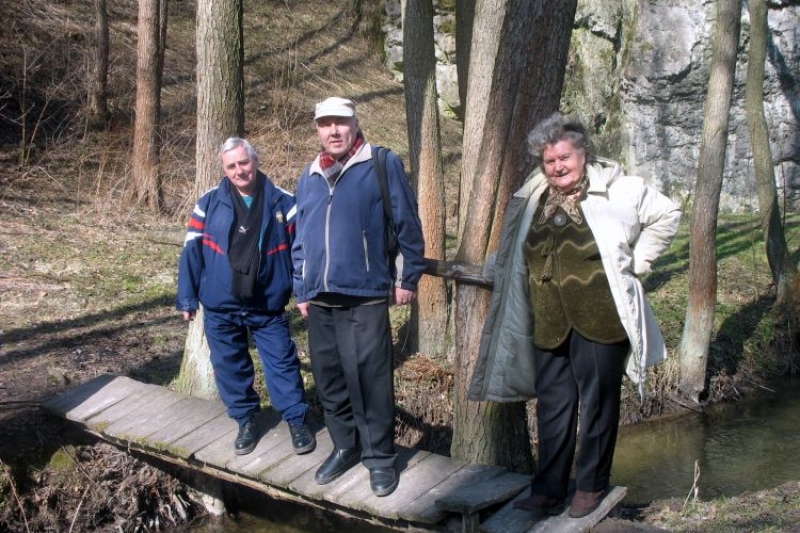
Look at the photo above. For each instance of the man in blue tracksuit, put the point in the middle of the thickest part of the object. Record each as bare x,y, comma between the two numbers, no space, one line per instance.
345,282
236,261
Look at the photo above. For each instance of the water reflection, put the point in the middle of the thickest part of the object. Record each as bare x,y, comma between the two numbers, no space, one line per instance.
748,446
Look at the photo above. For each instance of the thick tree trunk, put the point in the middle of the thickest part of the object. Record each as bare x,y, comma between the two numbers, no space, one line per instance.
220,114
220,85
783,269
517,88
699,324
196,376
146,142
486,29
97,101
429,314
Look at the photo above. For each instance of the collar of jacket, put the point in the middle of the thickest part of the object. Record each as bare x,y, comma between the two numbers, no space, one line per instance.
228,189
602,173
363,154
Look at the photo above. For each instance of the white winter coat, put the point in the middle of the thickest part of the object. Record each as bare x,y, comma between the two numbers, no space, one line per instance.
633,224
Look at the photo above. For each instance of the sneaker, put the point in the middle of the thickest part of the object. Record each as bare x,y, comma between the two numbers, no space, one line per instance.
303,439
247,438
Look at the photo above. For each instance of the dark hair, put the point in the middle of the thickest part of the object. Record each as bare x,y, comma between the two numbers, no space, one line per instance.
558,127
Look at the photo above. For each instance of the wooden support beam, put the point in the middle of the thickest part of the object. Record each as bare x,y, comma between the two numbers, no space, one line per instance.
462,272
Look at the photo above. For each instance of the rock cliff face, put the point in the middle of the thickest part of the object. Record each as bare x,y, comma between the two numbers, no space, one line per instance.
638,75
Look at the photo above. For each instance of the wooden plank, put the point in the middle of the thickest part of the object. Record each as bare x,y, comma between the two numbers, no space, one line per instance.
194,413
123,408
219,452
479,496
414,482
66,400
284,473
197,439
355,492
510,520
564,524
304,483
425,507
93,397
274,444
164,409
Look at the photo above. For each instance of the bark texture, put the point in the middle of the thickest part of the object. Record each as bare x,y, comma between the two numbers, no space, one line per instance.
699,324
783,269
146,138
516,75
97,100
429,314
220,114
220,85
196,376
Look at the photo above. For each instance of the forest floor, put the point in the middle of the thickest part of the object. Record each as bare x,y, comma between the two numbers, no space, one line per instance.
87,284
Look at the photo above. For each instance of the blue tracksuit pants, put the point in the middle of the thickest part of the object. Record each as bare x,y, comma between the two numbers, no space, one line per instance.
227,335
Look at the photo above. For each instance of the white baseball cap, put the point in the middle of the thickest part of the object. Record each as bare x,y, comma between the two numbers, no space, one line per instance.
335,107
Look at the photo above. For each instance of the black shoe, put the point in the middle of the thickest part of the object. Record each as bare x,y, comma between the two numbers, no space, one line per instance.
247,438
382,481
541,504
303,440
586,502
337,463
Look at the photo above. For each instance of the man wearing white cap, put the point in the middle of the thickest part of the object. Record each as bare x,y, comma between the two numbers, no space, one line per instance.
345,280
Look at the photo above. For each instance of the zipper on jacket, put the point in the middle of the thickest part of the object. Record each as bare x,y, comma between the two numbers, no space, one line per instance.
327,238
366,248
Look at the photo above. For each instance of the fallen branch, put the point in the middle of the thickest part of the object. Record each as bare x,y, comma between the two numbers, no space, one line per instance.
78,509
7,472
695,489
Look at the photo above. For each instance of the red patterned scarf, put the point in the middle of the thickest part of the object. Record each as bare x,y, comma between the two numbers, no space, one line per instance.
331,168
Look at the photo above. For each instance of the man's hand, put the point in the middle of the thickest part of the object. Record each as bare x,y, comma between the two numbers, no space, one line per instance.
188,315
403,296
303,307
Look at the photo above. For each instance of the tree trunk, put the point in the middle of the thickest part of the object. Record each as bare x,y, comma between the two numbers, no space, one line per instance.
163,13
465,18
429,314
519,87
783,269
97,100
220,84
699,324
146,143
485,30
220,114
196,376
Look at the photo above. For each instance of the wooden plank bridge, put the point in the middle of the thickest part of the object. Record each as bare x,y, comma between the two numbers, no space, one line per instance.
435,494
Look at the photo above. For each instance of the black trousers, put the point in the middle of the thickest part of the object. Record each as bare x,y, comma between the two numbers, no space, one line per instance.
351,359
586,374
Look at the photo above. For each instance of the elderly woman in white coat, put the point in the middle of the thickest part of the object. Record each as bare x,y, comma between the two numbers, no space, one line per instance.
568,315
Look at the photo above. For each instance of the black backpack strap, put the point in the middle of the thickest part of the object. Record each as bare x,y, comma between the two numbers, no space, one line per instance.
379,154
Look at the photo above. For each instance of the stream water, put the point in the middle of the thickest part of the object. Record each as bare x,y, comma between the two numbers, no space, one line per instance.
747,446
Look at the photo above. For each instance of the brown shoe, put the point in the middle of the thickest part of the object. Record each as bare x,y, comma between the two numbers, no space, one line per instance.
539,503
585,503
